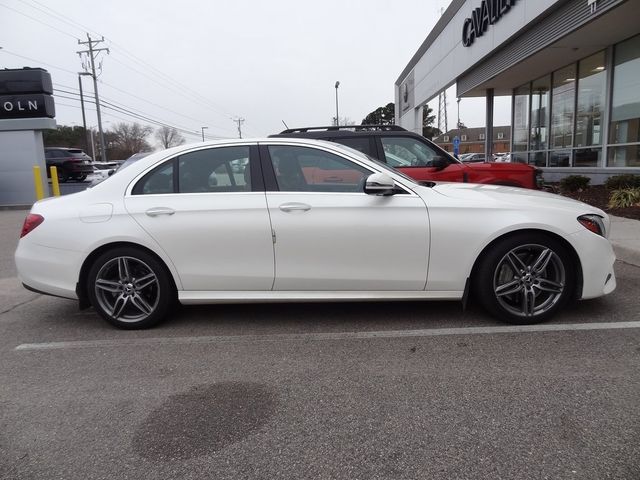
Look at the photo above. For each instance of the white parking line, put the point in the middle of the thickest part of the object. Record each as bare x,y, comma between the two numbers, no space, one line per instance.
286,337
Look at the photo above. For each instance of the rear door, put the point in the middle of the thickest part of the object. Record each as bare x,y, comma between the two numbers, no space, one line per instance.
209,218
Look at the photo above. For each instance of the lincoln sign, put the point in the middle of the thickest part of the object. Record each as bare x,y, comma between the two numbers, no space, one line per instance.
488,13
26,93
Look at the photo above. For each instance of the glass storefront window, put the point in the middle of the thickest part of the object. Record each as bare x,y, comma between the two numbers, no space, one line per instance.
591,94
562,107
540,114
587,157
627,156
539,159
560,158
625,104
521,119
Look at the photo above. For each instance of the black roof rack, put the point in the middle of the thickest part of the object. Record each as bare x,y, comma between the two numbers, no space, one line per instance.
357,128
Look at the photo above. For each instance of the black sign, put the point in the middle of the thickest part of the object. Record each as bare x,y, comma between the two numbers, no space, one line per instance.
32,105
25,80
488,13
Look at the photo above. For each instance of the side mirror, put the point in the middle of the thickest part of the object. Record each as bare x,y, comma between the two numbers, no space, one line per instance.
439,163
112,171
379,184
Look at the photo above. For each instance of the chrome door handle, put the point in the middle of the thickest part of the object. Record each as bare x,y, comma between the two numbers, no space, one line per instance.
295,207
154,212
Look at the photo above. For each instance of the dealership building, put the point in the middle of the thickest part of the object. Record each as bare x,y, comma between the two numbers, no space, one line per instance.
571,67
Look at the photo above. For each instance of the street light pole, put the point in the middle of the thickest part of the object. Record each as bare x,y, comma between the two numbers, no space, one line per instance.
203,128
337,117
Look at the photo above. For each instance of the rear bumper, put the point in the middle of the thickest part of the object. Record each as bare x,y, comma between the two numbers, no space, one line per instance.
51,271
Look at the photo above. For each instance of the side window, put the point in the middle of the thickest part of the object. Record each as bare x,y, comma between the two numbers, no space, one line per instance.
157,181
223,169
362,144
300,169
407,152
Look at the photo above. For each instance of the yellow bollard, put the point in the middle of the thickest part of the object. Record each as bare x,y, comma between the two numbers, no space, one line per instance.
55,186
37,181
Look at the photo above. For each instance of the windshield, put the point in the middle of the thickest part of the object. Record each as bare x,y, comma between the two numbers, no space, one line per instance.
358,153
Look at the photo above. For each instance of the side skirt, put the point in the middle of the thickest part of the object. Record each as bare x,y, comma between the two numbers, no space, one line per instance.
204,297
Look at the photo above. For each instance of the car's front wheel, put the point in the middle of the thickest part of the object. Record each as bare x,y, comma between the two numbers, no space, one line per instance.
130,288
525,278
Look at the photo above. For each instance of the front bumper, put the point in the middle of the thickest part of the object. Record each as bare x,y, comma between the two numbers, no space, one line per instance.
597,258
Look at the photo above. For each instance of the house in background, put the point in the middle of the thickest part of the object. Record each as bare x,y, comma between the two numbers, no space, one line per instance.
472,140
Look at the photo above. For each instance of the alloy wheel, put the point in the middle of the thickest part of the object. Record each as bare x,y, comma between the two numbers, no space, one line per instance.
529,280
127,289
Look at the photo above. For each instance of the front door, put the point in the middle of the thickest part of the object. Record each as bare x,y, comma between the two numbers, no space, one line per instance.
331,236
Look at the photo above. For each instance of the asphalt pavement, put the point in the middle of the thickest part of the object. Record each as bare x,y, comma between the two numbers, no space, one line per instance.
322,391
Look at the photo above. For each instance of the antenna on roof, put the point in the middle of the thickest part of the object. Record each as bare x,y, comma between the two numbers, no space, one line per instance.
285,125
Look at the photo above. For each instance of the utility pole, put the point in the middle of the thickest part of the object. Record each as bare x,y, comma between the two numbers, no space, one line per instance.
93,53
239,121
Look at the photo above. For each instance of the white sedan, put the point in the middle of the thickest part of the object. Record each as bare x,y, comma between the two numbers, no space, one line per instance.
306,220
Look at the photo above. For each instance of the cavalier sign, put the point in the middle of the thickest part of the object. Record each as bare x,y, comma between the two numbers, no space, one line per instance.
488,13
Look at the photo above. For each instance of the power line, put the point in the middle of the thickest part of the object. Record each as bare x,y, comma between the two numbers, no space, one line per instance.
4,50
53,14
184,90
39,21
133,114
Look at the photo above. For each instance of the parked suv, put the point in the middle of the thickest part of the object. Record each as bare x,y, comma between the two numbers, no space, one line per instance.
70,163
418,157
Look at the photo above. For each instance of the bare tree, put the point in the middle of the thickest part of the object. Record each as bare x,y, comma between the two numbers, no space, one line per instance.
169,137
125,139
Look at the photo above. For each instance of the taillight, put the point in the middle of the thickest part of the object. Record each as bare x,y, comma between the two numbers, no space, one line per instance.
31,222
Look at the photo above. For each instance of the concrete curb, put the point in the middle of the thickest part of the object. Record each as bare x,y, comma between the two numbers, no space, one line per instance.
627,255
625,238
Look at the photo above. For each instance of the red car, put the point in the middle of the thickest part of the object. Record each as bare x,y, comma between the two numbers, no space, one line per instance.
420,158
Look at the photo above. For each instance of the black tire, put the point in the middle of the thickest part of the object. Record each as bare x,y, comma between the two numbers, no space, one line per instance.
130,288
525,278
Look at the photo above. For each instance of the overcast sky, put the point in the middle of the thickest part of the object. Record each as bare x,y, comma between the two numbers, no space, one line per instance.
206,63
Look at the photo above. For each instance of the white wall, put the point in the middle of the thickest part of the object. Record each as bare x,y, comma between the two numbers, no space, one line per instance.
447,58
20,151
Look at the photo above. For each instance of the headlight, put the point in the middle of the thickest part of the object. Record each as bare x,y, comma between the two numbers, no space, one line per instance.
593,223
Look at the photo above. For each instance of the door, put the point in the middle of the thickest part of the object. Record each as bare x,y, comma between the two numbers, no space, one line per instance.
331,236
207,210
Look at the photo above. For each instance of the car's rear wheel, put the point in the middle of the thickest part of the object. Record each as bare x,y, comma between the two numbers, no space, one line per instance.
130,288
525,278
62,176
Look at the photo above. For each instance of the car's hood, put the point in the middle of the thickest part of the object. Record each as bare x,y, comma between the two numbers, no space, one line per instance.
496,195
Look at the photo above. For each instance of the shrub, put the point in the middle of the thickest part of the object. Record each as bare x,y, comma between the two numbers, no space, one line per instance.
624,198
618,182
574,183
